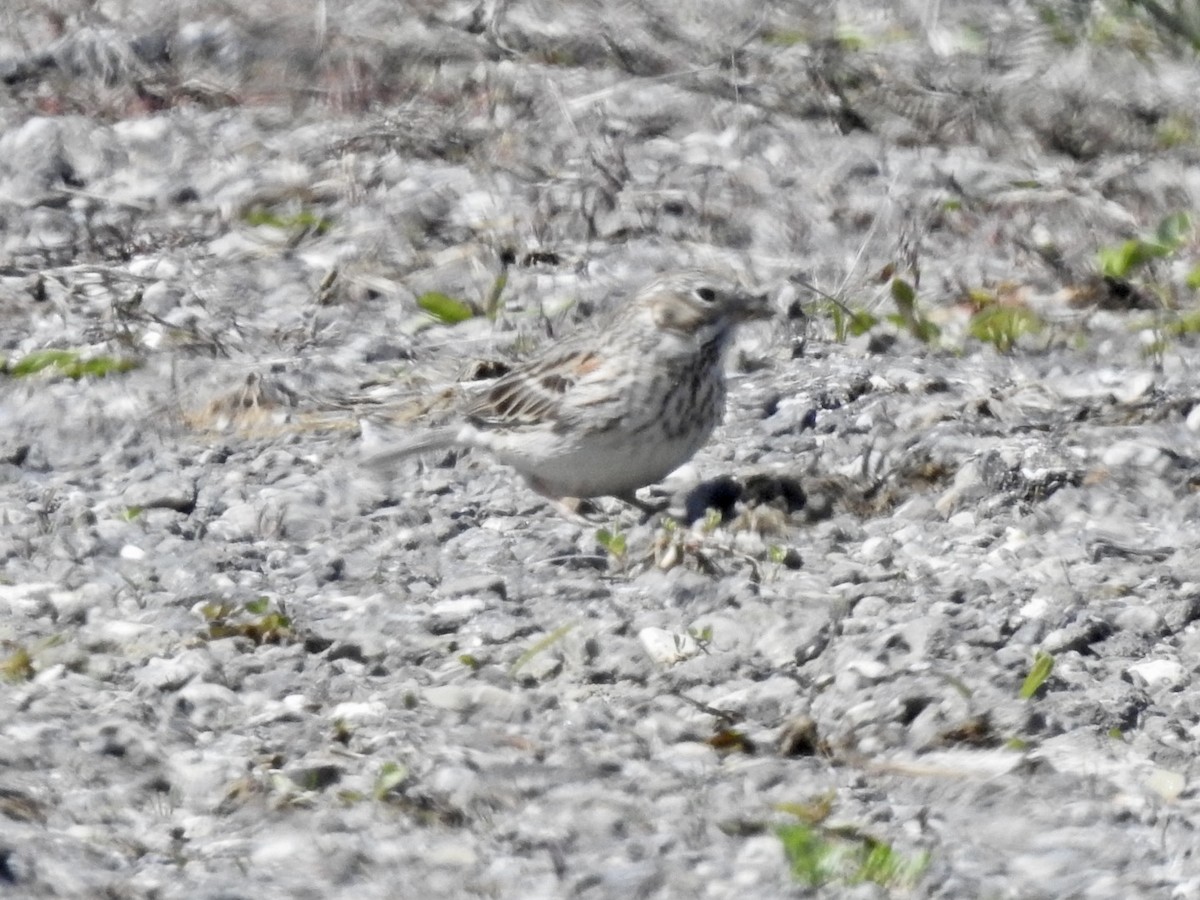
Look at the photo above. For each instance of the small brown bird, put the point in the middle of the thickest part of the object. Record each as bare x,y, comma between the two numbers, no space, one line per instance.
607,413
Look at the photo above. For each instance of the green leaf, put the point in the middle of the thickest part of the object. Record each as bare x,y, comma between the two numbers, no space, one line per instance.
905,296
305,220
786,37
884,866
1193,277
1001,326
445,308
818,856
259,606
257,217
1174,231
391,776
1043,665
612,541
494,301
813,860
1125,258
17,666
35,362
925,331
1188,323
850,40
1116,262
908,316
545,643
101,366
861,322
70,364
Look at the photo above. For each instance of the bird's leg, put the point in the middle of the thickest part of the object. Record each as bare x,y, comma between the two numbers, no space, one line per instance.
648,510
571,509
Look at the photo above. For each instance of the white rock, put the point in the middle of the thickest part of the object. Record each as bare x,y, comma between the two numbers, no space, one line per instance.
1167,784
359,713
1193,419
870,669
1158,673
667,647
448,696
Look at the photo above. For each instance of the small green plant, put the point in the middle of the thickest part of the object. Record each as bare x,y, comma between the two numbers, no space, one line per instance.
18,665
471,662
786,37
540,647
1176,130
851,40
908,315
68,363
256,620
1002,326
702,636
391,776
1188,323
1127,258
849,323
1043,665
495,298
301,223
613,540
819,855
342,732
1166,328
884,866
446,309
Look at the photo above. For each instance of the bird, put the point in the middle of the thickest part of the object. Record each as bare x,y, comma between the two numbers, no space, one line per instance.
606,413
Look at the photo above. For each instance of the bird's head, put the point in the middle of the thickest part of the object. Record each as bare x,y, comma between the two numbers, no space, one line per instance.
697,302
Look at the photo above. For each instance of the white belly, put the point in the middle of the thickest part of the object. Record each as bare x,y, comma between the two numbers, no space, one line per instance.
602,465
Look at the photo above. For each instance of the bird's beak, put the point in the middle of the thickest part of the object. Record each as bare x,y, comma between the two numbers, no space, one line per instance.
755,306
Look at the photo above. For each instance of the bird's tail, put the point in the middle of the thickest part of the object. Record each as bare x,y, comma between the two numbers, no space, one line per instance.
382,454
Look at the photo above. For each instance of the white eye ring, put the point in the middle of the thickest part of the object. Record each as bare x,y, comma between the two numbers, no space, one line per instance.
705,294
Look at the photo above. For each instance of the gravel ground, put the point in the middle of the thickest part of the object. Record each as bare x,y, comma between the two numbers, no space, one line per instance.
238,664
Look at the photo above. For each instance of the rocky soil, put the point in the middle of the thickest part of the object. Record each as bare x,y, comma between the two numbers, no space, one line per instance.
237,663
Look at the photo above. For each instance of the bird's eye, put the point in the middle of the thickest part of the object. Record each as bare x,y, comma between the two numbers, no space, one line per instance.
707,294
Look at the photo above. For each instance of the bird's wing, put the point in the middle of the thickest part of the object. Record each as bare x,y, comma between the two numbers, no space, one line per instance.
546,392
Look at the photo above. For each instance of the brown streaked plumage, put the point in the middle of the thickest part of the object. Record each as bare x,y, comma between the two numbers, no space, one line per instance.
605,414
